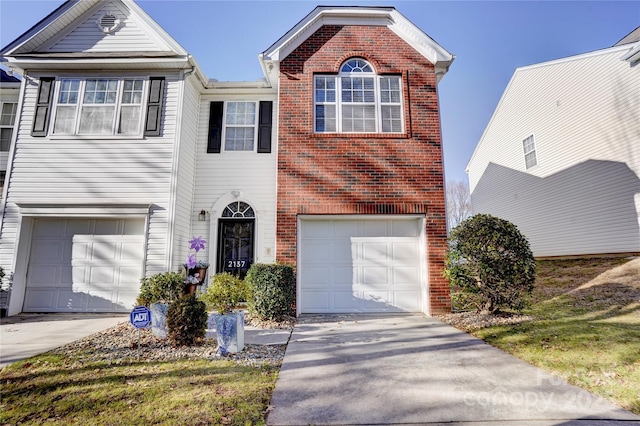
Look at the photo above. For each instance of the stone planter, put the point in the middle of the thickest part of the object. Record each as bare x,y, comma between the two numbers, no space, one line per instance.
159,319
229,331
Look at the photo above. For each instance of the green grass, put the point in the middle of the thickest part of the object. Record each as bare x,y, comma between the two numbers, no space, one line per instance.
52,388
587,327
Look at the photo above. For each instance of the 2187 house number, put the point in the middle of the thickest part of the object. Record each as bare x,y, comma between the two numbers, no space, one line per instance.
236,263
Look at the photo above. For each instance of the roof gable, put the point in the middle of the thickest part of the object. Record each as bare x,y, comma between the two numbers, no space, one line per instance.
350,15
75,28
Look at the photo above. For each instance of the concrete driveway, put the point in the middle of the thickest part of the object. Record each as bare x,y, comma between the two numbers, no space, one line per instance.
411,369
26,335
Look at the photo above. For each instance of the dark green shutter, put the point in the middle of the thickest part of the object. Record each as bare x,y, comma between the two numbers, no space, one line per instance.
215,127
43,107
154,106
264,126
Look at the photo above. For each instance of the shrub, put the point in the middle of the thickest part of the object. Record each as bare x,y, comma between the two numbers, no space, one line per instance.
186,321
224,293
272,288
490,264
161,288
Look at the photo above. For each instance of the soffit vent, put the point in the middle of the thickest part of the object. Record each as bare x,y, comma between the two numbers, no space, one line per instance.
108,23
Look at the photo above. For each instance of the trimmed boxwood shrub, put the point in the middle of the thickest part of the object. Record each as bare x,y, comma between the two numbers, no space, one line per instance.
272,290
164,287
186,321
490,264
225,292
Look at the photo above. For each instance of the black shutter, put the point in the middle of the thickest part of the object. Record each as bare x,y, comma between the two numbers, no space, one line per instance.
264,127
154,106
215,127
43,107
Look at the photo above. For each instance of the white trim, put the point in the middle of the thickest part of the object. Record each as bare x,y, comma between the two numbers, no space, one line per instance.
83,210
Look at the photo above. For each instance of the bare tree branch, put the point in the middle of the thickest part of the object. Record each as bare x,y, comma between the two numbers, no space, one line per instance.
458,203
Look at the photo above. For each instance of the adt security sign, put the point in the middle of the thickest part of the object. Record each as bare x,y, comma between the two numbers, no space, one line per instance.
140,317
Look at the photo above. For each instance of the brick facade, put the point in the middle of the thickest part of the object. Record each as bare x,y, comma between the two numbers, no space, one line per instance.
363,173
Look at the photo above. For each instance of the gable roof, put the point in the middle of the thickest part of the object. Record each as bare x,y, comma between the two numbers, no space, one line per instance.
71,37
359,15
6,78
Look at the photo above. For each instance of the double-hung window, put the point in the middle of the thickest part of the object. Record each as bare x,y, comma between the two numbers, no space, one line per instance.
240,126
7,120
529,147
357,100
99,106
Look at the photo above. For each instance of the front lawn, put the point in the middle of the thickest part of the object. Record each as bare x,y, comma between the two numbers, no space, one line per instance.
62,390
587,326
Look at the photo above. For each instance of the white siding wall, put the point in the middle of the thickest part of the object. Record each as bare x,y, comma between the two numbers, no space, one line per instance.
88,37
582,197
83,171
184,212
253,174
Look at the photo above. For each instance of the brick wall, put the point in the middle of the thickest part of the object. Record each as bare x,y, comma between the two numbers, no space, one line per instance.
364,173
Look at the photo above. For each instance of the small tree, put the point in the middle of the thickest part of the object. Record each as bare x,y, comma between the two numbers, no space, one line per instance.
490,264
458,203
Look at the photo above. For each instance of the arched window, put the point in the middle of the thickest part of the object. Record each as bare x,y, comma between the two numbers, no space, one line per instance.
357,100
238,209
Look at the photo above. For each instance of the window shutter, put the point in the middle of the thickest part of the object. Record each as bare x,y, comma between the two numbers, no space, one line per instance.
215,127
154,106
43,107
264,127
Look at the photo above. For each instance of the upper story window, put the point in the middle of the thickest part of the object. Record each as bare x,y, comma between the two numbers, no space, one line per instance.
240,126
357,100
99,106
7,120
529,147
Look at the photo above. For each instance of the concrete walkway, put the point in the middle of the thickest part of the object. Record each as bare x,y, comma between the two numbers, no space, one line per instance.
411,369
27,335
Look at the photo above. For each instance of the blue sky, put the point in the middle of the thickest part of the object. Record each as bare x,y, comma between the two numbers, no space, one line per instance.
489,38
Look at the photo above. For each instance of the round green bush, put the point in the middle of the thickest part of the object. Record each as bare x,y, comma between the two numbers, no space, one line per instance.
272,288
225,292
490,264
164,287
186,321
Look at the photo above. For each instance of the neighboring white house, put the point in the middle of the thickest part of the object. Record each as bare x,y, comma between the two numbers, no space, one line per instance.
560,157
124,149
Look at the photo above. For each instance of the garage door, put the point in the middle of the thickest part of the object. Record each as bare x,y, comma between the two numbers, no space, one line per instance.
84,265
361,265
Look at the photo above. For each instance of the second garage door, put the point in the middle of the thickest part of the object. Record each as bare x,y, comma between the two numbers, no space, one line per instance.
84,265
361,264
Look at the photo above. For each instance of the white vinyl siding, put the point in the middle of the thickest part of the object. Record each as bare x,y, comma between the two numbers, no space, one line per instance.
581,198
252,176
87,36
72,171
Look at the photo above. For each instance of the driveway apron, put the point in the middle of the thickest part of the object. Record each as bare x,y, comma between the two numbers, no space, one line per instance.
412,369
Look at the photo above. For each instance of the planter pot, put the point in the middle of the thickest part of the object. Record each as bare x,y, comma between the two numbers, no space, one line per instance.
202,273
159,319
229,331
191,288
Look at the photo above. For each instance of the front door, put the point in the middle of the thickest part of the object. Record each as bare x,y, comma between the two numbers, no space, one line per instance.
235,246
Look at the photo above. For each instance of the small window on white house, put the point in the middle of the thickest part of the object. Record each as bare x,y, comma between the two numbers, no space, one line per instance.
529,147
357,100
7,121
99,106
240,126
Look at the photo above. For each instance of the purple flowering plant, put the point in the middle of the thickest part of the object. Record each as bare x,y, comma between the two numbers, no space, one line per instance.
196,244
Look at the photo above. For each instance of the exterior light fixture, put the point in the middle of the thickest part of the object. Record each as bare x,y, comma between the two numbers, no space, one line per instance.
202,216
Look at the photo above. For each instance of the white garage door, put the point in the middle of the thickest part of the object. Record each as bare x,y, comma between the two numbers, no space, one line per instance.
361,265
84,265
